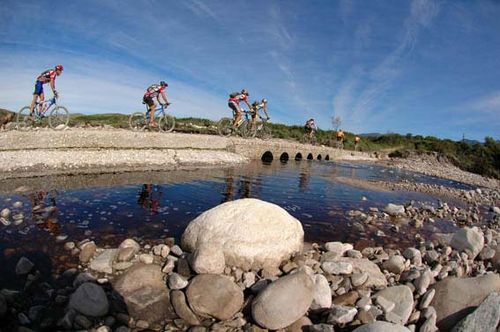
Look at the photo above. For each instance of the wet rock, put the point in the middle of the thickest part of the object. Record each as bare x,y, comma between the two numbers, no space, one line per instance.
176,250
145,294
82,278
395,264
104,262
82,321
3,305
176,281
24,266
69,246
340,314
284,301
90,300
322,293
381,327
468,238
253,234
456,297
394,209
485,318
87,251
208,258
5,213
403,298
211,295
127,250
183,267
337,267
182,309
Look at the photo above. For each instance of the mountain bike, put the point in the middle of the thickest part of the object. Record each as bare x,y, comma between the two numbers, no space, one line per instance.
58,116
226,128
340,144
307,139
261,129
139,121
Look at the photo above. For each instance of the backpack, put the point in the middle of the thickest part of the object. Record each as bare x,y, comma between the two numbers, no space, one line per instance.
234,94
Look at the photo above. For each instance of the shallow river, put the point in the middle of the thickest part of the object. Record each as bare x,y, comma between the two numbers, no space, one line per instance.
151,206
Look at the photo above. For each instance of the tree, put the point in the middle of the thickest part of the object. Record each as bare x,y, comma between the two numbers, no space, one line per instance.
336,122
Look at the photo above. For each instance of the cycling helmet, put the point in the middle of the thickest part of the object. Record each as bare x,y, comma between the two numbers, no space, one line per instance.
311,119
264,100
59,67
163,83
245,92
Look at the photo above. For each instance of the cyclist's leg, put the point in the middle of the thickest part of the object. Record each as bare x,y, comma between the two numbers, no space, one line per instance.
152,107
36,94
41,104
236,112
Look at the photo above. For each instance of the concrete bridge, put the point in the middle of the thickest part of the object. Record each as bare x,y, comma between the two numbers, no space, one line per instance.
76,150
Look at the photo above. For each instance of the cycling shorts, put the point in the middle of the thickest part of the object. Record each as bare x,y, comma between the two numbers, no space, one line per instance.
235,107
148,100
38,88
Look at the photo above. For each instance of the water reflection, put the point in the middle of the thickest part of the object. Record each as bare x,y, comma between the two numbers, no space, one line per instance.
149,197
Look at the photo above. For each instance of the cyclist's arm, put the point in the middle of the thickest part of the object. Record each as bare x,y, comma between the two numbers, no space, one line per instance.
53,86
164,96
265,111
249,106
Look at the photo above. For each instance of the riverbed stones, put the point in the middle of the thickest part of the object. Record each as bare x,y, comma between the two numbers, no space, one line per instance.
127,250
283,301
375,279
5,213
3,305
24,266
145,294
87,251
89,299
394,209
336,268
471,239
485,318
208,259
395,264
322,293
176,281
341,314
104,261
455,298
182,309
217,296
380,326
402,297
252,234
338,247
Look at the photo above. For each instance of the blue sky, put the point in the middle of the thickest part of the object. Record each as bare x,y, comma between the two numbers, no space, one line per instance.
422,66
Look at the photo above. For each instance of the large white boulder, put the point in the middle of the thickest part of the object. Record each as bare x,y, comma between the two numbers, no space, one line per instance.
251,233
468,238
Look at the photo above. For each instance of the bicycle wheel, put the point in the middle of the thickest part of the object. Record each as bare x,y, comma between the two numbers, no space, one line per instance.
24,121
264,132
166,123
137,121
58,118
225,127
245,129
304,139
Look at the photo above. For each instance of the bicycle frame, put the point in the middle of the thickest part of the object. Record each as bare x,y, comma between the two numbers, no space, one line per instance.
159,111
47,103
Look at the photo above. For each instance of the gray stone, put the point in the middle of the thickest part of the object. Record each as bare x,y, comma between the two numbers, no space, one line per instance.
340,314
322,293
321,328
211,295
414,255
176,281
457,297
146,258
484,319
381,327
82,278
208,258
337,267
5,213
251,233
284,301
300,325
126,254
3,305
104,262
468,238
248,279
376,278
144,292
386,305
427,298
394,209
182,309
24,266
90,300
82,321
423,282
176,250
395,264
338,247
358,279
402,297
87,251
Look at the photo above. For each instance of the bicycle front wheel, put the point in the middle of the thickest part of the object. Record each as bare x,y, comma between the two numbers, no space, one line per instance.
137,121
225,127
59,118
24,120
166,123
264,132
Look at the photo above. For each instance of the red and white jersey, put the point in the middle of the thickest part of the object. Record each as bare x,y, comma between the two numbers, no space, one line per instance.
154,90
47,76
238,98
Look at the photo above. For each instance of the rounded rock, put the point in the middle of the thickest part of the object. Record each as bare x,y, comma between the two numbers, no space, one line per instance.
90,300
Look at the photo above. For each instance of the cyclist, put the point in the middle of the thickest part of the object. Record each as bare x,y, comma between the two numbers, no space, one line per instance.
357,139
340,138
48,76
234,104
310,127
155,91
256,106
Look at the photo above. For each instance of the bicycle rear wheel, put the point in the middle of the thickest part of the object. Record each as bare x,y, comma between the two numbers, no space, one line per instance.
225,127
137,121
59,118
263,131
24,120
166,123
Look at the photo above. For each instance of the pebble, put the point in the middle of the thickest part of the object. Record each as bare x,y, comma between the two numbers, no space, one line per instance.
340,314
